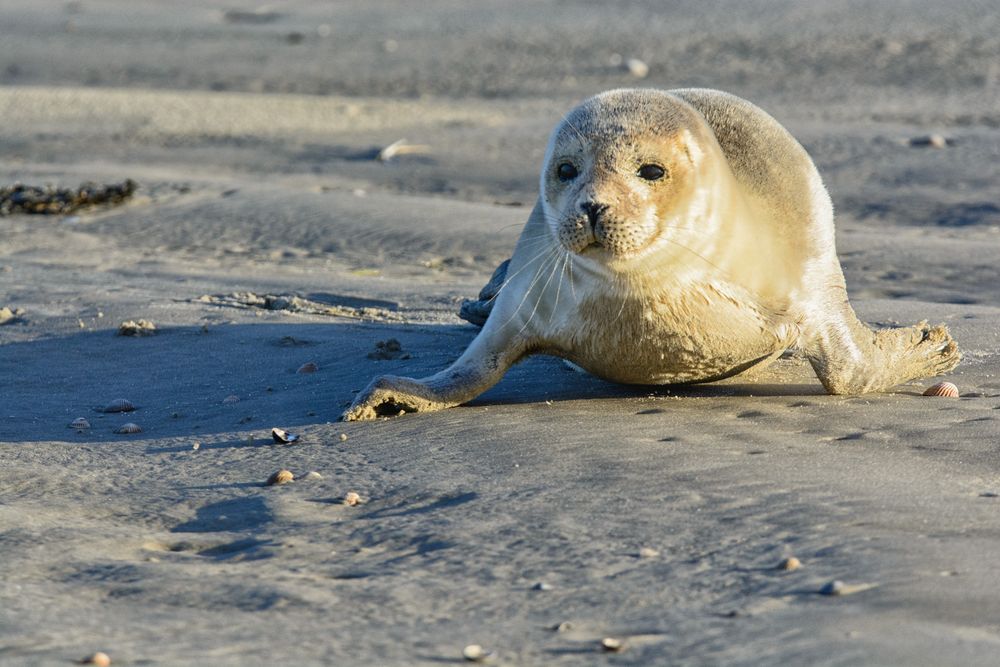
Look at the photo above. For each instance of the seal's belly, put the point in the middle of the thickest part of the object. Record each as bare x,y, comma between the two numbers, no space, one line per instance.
695,335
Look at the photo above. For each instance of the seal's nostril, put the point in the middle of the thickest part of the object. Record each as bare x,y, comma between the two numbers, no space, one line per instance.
593,210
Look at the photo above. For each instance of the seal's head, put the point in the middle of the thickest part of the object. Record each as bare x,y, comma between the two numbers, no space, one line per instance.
621,172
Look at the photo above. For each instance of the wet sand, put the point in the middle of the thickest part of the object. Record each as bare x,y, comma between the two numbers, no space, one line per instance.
253,135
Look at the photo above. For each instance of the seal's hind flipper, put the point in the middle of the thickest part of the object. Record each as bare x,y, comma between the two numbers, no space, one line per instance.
478,310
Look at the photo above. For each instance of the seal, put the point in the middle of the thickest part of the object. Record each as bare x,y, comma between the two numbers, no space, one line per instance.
679,236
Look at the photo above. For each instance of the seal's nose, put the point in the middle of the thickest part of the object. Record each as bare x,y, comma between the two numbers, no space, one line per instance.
593,210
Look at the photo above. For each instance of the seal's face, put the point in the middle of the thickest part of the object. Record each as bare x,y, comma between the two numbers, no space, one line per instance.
619,173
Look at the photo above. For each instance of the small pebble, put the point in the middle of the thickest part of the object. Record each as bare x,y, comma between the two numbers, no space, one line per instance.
542,586
352,499
196,446
565,626
930,141
648,552
312,475
280,477
308,367
789,564
612,645
100,659
343,437
476,653
835,587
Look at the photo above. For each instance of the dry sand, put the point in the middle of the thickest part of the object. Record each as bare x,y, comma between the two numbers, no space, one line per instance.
253,135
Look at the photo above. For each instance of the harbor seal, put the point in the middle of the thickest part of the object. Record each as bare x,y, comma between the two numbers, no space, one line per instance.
679,236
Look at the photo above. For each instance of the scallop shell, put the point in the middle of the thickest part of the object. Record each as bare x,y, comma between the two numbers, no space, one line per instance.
79,423
352,499
229,400
280,477
945,389
308,367
119,405
283,437
129,427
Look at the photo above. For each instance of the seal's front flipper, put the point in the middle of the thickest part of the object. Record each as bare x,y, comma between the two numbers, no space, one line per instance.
480,367
478,310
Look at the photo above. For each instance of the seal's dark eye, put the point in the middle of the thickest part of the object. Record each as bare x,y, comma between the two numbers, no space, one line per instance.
651,172
566,172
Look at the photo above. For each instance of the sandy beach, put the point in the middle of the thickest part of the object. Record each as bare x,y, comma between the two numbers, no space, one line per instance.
555,510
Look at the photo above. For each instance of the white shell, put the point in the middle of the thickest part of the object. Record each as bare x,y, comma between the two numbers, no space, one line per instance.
612,645
637,68
476,653
79,423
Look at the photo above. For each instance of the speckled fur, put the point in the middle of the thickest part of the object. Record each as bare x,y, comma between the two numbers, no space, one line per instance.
719,266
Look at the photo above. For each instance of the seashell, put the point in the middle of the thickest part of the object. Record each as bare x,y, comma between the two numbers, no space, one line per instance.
352,499
283,437
308,367
401,147
312,475
196,446
647,552
476,653
79,423
542,586
789,564
129,427
280,477
101,659
343,437
565,626
118,405
637,68
612,645
944,389
231,399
